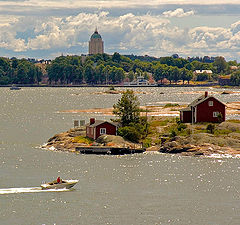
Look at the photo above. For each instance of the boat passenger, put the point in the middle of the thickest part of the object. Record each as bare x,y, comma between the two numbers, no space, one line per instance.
59,180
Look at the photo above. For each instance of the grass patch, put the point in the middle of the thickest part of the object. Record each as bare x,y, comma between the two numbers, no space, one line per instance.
233,121
168,105
222,132
158,123
147,142
82,140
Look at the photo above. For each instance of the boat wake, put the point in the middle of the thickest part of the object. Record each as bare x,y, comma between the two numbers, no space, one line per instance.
29,190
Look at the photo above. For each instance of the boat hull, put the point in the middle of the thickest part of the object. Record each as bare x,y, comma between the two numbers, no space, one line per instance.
65,184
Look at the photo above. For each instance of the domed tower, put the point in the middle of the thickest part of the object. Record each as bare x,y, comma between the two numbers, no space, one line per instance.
96,44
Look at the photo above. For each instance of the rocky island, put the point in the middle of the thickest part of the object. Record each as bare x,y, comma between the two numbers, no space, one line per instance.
191,140
147,128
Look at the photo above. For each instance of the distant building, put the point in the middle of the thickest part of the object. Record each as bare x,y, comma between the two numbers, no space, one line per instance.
96,44
203,71
96,128
234,67
204,109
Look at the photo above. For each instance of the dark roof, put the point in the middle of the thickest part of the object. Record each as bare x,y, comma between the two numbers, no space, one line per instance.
202,99
96,35
198,101
98,122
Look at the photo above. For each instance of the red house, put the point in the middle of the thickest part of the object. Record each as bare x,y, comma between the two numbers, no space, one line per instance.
204,109
97,128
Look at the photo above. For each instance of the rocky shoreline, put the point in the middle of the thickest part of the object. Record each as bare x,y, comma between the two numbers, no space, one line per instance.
198,143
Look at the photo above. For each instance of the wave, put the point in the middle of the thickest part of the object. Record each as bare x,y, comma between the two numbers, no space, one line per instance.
29,190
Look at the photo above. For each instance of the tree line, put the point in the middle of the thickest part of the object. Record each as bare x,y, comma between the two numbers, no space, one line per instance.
18,71
114,69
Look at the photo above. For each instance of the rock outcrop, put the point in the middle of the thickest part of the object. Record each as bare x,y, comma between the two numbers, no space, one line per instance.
205,143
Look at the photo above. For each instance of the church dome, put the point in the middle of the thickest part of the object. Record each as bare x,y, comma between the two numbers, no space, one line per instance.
96,35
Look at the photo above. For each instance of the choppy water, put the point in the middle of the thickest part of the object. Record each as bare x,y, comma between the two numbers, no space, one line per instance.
131,189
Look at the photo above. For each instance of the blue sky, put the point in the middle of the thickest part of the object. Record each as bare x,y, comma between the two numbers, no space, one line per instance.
49,28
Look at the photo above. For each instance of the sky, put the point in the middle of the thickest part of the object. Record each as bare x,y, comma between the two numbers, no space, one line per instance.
49,28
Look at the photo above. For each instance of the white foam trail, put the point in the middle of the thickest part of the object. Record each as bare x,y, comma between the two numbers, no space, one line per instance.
28,190
221,156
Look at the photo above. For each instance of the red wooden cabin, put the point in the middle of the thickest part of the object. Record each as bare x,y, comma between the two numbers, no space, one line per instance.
204,109
97,128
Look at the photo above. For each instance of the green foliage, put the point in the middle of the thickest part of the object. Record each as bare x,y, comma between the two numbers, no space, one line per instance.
202,77
222,132
220,64
130,133
173,133
233,121
83,140
210,128
235,78
147,142
127,109
168,105
107,69
18,71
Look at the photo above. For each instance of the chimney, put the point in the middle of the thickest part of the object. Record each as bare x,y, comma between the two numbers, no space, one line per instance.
206,94
92,121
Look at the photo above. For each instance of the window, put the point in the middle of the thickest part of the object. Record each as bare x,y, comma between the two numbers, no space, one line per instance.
215,114
210,103
102,130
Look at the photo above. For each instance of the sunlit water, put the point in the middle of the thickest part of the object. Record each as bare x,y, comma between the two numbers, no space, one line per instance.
131,189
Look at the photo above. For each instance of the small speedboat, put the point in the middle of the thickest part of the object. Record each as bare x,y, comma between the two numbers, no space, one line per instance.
63,184
14,87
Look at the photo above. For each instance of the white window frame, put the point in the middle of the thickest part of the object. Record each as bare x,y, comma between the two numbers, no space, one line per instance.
210,103
103,131
215,114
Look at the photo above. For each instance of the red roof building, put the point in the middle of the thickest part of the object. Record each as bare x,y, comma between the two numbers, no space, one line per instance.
204,109
97,128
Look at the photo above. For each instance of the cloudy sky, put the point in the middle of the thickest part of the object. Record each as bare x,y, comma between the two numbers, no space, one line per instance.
49,28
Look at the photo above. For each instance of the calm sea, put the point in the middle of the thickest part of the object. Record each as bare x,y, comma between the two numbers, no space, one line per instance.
131,189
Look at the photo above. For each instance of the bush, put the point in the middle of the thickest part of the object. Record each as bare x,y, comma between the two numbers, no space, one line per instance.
173,133
130,133
81,139
210,128
170,105
147,142
181,126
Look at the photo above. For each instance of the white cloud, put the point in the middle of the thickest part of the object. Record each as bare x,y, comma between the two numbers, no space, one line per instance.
56,4
178,13
128,33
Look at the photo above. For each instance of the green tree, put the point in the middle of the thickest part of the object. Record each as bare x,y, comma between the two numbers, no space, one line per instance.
220,64
89,73
127,108
131,76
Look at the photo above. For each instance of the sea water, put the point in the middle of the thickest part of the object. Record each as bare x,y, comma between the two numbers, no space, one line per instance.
149,188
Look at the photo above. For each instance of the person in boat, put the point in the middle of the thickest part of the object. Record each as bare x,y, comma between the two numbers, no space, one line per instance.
59,180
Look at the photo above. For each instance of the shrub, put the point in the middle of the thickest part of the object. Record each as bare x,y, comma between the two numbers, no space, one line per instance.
130,133
210,128
170,105
181,126
173,133
81,139
147,142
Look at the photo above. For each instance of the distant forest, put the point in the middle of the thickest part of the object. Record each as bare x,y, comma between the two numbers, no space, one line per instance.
114,69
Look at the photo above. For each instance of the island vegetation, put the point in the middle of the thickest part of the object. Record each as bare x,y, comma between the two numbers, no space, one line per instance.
104,69
162,134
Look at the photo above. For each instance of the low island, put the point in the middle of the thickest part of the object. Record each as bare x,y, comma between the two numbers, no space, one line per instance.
139,129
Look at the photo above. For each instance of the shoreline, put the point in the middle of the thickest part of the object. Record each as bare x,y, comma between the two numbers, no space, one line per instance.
119,85
193,140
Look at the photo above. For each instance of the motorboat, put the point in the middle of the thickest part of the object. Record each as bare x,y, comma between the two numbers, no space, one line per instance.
14,87
61,185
